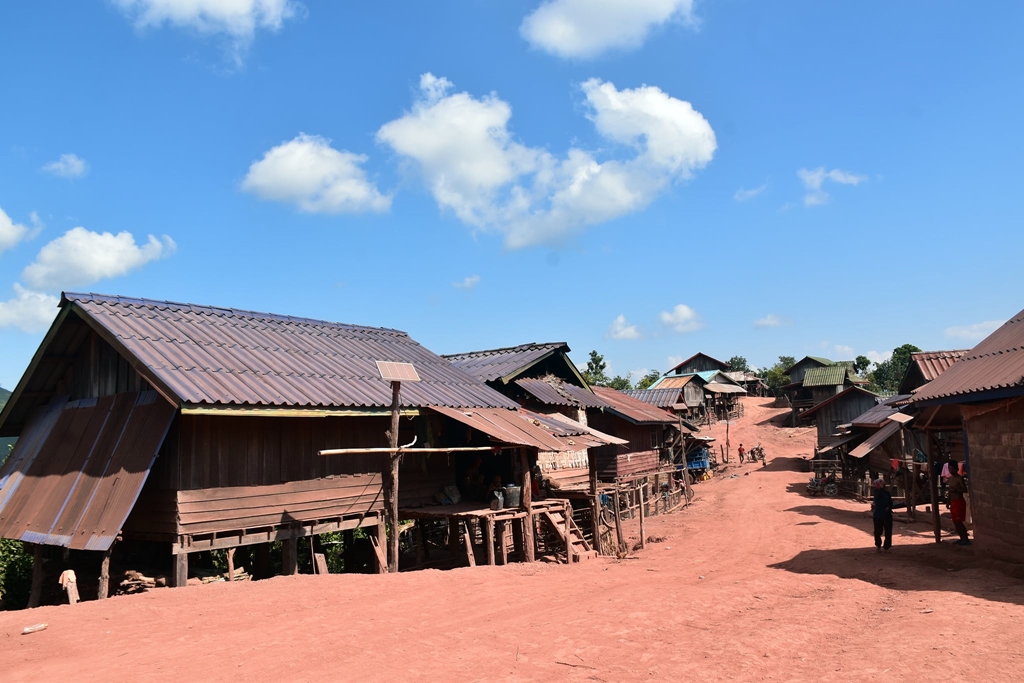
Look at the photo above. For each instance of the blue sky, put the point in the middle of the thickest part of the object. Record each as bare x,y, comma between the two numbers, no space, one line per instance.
649,179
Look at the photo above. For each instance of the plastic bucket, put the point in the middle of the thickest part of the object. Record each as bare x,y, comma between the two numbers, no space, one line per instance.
513,495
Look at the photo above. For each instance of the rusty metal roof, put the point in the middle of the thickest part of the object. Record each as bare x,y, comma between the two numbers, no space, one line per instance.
505,426
495,364
678,381
925,366
661,397
207,355
877,415
545,392
633,409
585,397
78,468
995,364
875,440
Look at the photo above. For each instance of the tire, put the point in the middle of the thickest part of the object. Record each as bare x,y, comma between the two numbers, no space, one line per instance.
831,490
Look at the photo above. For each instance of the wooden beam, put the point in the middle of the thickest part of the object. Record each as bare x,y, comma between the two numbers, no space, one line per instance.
391,479
180,573
289,557
403,451
470,556
643,535
503,541
933,483
489,539
243,537
103,590
231,564
36,591
526,500
618,523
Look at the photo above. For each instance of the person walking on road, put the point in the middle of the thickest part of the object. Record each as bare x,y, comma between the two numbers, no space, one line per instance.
956,489
881,513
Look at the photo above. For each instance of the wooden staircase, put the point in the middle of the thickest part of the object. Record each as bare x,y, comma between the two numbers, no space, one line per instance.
562,523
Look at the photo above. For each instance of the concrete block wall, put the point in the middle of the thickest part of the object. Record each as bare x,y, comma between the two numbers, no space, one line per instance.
995,440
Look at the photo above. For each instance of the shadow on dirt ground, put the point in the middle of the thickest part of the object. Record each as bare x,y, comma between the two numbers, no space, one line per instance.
860,520
930,567
786,464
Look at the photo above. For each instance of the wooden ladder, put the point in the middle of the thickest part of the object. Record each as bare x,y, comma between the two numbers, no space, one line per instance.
562,523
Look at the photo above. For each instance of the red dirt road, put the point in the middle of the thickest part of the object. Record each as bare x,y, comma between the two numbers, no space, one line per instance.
755,581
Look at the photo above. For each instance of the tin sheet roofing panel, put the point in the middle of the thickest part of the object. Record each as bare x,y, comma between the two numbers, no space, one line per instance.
830,375
995,363
880,413
77,473
633,409
505,426
545,392
934,363
664,397
496,363
676,381
208,355
584,397
875,440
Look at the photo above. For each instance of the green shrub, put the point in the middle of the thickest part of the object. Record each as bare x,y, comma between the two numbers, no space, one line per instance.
15,574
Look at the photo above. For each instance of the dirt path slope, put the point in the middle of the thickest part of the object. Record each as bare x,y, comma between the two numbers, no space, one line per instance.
754,581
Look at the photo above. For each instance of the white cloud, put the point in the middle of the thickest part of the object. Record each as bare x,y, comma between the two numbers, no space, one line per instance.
674,361
638,374
770,320
682,318
620,329
975,332
876,357
467,283
237,19
10,232
814,179
472,165
743,195
311,174
845,352
68,166
81,257
28,311
586,28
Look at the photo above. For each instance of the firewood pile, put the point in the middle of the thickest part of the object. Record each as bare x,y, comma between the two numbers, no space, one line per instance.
137,582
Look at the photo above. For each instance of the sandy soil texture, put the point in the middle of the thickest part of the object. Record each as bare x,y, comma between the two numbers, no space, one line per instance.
754,581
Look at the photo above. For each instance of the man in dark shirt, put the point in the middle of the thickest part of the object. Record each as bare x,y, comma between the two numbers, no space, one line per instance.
881,512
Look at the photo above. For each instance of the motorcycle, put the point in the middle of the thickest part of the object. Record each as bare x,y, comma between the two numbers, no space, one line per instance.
828,486
757,453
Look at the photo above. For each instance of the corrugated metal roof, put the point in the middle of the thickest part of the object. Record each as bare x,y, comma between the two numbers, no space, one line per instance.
206,355
880,413
722,388
934,363
875,440
493,364
586,398
661,397
995,363
830,375
633,409
79,467
545,392
607,438
675,381
505,426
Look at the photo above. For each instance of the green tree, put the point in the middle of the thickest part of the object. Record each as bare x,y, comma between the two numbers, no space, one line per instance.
738,364
594,373
861,365
775,376
647,380
889,373
596,376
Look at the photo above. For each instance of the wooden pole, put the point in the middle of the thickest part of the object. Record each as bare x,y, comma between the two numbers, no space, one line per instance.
503,542
908,483
231,564
103,589
391,479
569,549
489,539
595,504
933,483
618,522
686,470
36,592
643,534
526,501
382,543
180,570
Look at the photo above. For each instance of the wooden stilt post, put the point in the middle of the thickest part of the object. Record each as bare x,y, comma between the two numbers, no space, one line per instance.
503,541
618,522
382,543
656,492
36,591
470,555
391,479
289,557
526,500
489,539
570,551
180,570
231,564
595,505
908,483
643,532
933,484
103,589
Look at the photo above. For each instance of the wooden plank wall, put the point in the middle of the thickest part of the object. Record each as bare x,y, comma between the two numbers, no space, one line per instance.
420,477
